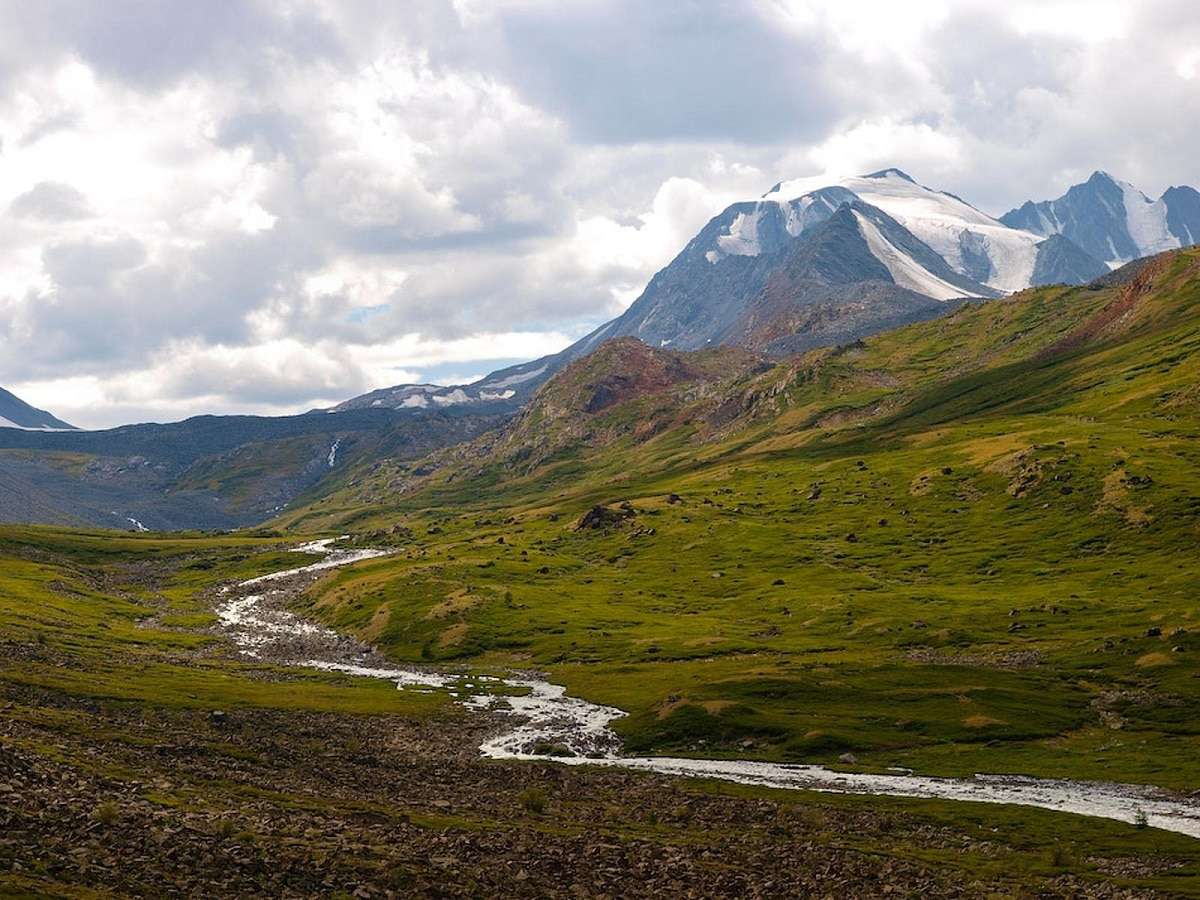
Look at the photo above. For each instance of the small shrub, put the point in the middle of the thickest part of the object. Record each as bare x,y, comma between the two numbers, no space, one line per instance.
106,813
533,800
1140,820
1060,857
225,829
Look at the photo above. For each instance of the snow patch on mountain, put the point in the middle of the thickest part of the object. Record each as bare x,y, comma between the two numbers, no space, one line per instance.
1146,221
456,396
7,423
945,222
742,237
518,378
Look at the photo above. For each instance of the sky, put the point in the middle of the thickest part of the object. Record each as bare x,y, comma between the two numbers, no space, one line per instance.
273,206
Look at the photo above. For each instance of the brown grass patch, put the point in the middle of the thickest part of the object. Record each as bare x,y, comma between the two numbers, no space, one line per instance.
985,451
378,622
453,635
669,706
981,721
1116,499
458,602
1153,660
922,484
926,438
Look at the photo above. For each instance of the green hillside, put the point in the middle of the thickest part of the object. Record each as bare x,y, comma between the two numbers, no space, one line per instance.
966,545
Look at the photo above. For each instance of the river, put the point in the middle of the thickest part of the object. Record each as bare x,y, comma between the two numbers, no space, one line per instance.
255,616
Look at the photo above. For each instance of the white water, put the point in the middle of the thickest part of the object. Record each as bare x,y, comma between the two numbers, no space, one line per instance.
548,718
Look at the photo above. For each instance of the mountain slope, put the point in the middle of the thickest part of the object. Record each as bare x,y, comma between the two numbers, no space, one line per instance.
16,413
1113,221
207,472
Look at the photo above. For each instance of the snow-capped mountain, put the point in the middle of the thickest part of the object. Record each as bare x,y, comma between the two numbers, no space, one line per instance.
16,413
1112,220
906,241
816,261
976,246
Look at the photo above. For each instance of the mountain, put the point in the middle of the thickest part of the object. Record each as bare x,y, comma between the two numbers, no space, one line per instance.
208,472
16,413
630,412
1113,221
785,251
809,264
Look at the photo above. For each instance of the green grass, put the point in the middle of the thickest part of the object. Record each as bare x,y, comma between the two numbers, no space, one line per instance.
997,572
123,617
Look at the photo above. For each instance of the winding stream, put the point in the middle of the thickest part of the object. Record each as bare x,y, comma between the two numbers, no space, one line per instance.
254,615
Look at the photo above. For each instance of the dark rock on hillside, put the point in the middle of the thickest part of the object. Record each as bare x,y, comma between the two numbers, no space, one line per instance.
1060,261
601,517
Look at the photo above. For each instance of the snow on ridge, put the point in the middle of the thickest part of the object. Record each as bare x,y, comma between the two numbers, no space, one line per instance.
8,423
905,271
938,219
416,401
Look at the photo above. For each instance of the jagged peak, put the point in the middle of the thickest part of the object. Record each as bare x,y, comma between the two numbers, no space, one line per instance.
891,172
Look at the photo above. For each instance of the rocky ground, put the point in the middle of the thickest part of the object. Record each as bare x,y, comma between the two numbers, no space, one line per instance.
135,801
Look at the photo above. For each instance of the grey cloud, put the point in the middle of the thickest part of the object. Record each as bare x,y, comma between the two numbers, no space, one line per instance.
109,309
269,132
250,381
49,125
51,201
151,43
91,262
630,71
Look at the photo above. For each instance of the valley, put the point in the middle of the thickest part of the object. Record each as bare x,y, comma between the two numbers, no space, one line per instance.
963,546
151,754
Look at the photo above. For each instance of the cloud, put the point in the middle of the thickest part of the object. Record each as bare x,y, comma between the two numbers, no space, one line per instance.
51,201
